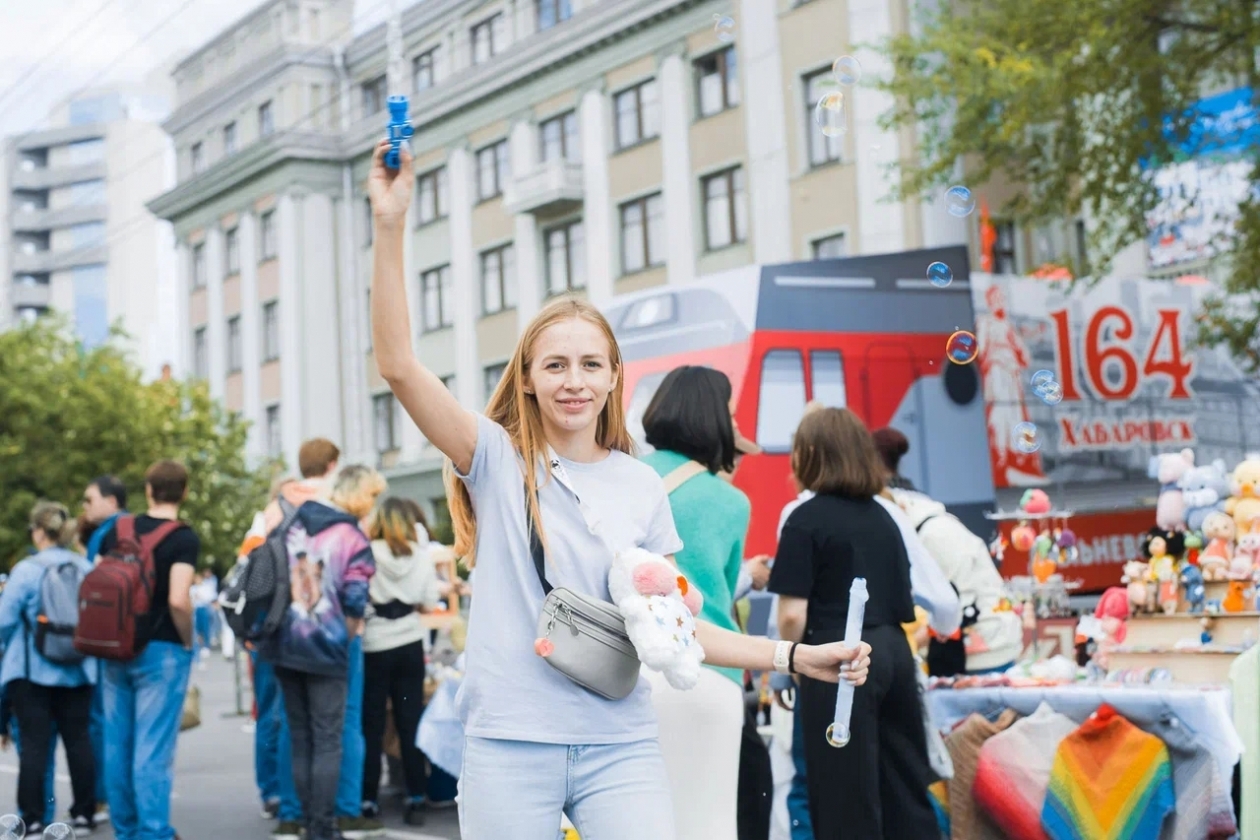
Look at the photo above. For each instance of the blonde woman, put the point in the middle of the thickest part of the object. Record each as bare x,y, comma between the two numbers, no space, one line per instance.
405,583
552,452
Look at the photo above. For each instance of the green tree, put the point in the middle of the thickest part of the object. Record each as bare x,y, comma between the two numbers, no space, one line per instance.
1072,102
68,415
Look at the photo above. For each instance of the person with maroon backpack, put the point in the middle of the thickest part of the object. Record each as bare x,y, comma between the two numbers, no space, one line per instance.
136,614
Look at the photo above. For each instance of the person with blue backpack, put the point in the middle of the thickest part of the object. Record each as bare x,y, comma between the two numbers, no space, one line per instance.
45,678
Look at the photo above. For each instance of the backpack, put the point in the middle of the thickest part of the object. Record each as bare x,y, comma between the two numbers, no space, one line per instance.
58,614
256,594
116,597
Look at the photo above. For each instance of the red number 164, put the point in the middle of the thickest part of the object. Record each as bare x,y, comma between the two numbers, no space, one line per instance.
1163,356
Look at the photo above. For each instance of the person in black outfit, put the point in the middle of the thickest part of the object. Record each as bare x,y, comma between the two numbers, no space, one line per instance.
876,786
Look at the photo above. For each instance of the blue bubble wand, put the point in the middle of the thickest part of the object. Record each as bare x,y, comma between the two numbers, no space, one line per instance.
838,733
398,130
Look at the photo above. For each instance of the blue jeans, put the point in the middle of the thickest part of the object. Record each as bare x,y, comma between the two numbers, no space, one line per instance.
518,789
271,718
96,731
203,621
50,776
350,785
144,702
798,795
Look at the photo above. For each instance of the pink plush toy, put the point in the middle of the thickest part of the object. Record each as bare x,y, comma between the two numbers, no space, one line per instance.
660,607
1035,501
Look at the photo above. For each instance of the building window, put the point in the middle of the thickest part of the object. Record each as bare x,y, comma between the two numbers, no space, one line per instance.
498,281
487,39
1004,248
435,299
385,422
271,331
492,170
267,241
229,138
717,82
638,114
266,122
551,12
491,375
198,156
84,193
87,234
822,149
199,266
424,70
725,209
431,201
232,252
566,258
642,233
275,435
201,365
373,96
85,151
829,247
234,360
559,136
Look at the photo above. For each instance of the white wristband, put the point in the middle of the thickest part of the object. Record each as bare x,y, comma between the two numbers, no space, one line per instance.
781,653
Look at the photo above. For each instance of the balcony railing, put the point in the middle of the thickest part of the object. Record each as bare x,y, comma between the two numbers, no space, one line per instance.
554,186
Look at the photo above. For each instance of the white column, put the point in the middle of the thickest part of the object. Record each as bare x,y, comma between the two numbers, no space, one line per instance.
597,214
765,124
290,327
939,227
679,186
882,228
463,279
181,365
216,329
353,299
529,293
251,336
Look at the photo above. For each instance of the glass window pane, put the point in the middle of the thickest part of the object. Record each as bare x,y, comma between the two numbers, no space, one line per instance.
507,261
577,256
445,295
651,109
656,230
741,206
827,378
627,118
572,144
710,94
491,288
781,400
557,265
551,141
717,212
427,199
732,78
503,166
91,313
87,234
632,237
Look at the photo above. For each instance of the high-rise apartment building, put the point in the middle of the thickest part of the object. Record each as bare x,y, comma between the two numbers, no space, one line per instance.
588,146
80,239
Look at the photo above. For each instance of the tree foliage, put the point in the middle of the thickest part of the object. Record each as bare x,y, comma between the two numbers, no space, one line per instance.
68,415
1072,102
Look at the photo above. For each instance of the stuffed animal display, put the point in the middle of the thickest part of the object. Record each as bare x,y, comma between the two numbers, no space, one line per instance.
1192,580
1135,578
659,606
1219,531
1244,487
1167,469
1203,489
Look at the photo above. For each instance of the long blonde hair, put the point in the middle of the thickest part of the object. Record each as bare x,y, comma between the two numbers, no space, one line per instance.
518,414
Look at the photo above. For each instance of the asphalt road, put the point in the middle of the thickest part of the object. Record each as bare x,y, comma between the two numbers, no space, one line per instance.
215,797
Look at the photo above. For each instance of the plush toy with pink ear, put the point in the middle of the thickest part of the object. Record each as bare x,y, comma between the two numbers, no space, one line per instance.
660,607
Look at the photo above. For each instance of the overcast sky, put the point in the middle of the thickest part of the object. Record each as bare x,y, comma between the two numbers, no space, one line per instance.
65,45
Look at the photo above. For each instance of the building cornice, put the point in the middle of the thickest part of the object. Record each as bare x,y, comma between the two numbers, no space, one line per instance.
226,34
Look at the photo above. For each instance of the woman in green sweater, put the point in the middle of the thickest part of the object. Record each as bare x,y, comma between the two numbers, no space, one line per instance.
688,423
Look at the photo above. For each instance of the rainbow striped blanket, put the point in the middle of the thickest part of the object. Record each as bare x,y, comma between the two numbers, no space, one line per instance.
1109,781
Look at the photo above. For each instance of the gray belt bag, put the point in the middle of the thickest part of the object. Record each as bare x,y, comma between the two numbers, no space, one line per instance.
588,637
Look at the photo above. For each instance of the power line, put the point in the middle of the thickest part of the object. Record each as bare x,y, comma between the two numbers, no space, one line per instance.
35,67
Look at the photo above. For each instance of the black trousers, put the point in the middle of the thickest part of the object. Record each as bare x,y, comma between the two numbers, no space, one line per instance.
37,708
756,783
396,675
876,786
316,707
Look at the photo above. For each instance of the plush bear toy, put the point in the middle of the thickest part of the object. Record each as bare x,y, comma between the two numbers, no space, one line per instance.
659,606
1203,489
1170,509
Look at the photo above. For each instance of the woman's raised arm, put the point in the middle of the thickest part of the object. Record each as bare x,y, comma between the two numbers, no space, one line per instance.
440,417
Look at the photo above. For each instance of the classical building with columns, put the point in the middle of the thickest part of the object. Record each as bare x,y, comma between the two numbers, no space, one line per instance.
593,146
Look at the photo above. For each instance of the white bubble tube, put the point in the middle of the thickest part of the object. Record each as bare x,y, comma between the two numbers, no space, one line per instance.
838,733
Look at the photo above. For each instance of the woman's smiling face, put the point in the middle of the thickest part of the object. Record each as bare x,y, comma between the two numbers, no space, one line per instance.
571,375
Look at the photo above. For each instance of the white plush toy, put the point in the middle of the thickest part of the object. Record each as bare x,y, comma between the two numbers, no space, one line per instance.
659,607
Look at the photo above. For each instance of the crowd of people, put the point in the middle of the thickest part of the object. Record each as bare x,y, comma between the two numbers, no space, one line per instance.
543,488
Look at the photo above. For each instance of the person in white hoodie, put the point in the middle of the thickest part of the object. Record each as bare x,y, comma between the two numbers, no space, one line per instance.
992,639
406,582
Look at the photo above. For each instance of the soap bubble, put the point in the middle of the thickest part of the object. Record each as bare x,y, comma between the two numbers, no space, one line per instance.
1051,393
847,70
959,201
12,827
724,26
1026,438
58,831
962,347
1041,377
829,114
940,275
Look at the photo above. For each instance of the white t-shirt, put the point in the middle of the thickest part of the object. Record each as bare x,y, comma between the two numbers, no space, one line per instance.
509,692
